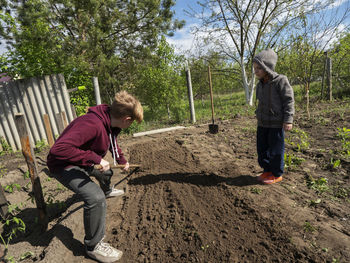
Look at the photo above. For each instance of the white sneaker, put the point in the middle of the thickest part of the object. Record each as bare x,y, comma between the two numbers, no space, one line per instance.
114,192
105,253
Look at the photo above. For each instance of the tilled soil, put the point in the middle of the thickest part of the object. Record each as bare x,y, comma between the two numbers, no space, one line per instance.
196,199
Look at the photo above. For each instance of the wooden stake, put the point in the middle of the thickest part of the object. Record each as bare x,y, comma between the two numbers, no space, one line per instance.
50,138
28,154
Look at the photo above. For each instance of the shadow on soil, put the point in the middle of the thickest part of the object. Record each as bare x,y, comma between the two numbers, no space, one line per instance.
36,237
194,178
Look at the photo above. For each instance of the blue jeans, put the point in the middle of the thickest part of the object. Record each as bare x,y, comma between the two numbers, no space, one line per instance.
78,180
270,147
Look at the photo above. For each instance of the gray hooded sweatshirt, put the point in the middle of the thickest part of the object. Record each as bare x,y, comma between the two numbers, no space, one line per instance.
276,97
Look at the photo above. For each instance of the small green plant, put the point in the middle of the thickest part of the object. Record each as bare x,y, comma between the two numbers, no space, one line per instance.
15,226
6,148
26,175
298,139
39,146
290,160
315,202
11,187
204,247
335,163
26,255
3,171
308,227
344,135
256,190
341,192
319,185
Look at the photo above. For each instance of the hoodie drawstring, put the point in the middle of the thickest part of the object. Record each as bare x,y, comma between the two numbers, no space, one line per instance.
114,148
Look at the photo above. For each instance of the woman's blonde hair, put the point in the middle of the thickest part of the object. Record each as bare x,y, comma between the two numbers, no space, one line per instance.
126,105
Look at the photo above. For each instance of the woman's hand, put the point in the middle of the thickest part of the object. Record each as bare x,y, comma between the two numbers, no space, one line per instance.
104,165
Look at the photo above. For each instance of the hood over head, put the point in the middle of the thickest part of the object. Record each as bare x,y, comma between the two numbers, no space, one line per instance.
267,59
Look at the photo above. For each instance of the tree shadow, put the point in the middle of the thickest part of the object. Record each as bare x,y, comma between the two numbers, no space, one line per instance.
201,179
36,237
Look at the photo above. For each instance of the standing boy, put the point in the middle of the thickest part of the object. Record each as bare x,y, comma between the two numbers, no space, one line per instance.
274,113
82,145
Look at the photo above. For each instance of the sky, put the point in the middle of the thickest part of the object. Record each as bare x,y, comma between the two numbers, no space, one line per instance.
184,40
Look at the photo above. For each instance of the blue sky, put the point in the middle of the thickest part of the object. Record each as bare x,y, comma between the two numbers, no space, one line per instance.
183,40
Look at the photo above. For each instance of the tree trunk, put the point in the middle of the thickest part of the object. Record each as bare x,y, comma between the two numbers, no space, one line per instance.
245,82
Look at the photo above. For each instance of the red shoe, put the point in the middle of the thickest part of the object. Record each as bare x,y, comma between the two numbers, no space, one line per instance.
262,176
270,179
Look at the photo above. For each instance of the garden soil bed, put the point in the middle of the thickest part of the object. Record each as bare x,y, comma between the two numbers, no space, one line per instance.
196,199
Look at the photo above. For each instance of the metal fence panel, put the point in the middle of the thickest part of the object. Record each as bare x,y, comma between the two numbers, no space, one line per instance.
33,97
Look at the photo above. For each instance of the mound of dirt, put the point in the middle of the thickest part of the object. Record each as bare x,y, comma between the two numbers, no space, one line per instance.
196,199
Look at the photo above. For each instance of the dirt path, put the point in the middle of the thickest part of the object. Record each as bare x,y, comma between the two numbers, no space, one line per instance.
196,199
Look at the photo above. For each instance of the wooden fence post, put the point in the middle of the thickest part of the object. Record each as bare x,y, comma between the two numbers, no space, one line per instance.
190,93
97,90
50,138
3,204
329,78
29,156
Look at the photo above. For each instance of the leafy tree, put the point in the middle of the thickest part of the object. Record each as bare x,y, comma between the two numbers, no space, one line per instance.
340,53
87,38
239,29
161,85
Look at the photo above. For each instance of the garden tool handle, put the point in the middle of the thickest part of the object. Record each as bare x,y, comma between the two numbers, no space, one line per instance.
211,94
120,166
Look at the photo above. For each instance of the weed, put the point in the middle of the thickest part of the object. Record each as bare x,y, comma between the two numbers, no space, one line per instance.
39,146
341,192
335,163
315,202
256,190
291,160
204,247
6,148
26,175
298,139
319,185
11,187
26,255
3,171
308,227
15,225
344,135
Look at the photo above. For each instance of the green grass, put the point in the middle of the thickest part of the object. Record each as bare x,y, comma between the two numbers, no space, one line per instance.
226,106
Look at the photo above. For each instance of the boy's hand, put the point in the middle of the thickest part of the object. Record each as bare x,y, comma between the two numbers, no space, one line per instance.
104,165
287,126
127,165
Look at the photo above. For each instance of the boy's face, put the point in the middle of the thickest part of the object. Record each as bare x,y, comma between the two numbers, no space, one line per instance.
121,123
258,71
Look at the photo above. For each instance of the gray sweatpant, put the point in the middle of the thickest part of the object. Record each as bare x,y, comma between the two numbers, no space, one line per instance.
78,180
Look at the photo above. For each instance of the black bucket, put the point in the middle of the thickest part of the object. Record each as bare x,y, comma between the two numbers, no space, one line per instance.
213,128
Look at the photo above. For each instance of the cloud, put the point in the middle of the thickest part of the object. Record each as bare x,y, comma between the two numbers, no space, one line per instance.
183,40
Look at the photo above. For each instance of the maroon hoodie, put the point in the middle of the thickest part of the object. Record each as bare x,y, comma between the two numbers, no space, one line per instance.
85,141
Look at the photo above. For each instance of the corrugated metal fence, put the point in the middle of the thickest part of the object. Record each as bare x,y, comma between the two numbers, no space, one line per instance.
33,97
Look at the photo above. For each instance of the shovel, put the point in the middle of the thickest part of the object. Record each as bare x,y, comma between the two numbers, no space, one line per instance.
121,166
213,128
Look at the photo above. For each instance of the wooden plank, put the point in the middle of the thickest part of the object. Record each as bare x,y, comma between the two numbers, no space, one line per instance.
28,154
60,123
158,131
50,138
